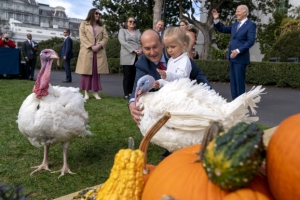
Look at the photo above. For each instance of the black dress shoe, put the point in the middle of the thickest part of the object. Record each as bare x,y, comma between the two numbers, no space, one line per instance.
165,154
32,79
67,81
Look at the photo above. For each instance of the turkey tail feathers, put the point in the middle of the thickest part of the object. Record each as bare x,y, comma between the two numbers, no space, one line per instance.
238,109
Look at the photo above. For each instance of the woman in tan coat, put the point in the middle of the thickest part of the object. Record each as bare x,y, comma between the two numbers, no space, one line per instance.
92,59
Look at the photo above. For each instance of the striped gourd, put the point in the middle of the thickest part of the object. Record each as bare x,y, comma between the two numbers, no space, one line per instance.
232,159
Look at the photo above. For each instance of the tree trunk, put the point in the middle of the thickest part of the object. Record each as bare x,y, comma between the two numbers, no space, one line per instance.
157,11
206,29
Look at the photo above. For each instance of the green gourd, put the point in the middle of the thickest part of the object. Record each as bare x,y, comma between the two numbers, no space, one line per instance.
232,159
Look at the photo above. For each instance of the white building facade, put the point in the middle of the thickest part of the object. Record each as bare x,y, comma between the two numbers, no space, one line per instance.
40,20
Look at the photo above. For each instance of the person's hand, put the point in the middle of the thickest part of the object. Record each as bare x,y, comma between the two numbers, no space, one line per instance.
162,73
135,112
156,85
95,48
215,14
234,53
139,52
26,59
65,58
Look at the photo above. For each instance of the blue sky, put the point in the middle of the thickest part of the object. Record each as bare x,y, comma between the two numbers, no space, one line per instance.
74,8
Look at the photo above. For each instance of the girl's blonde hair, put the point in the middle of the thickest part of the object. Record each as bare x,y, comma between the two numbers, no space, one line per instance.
177,34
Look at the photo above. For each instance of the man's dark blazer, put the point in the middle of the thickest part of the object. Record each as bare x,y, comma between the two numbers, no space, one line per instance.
146,67
66,48
242,39
28,50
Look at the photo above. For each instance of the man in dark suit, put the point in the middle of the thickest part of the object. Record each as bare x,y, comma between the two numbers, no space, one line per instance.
29,49
66,54
159,27
242,37
147,64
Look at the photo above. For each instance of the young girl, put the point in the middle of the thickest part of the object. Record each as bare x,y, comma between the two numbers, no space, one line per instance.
176,43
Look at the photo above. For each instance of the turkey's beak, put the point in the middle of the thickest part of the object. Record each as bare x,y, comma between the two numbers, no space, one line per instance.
54,56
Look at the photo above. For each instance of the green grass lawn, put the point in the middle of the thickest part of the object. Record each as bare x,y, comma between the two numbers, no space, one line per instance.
91,158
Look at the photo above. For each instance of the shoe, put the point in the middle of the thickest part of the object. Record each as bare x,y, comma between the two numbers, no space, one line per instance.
165,154
32,79
66,81
96,95
126,97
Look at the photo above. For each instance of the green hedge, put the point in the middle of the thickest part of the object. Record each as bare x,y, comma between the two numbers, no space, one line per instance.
281,74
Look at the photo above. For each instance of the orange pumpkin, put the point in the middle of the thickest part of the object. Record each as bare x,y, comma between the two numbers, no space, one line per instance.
178,176
283,160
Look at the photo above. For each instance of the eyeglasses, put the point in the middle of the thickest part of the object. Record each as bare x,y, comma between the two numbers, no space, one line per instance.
96,13
65,32
131,22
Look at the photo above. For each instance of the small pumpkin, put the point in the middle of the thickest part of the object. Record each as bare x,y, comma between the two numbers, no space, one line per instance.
283,160
258,190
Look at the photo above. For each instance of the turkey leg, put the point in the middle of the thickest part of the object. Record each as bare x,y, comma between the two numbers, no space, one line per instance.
45,163
65,168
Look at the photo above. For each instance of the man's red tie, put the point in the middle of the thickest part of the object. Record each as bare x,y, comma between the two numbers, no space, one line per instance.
161,66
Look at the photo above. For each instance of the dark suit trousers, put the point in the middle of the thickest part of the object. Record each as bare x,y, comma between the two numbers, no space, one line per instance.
237,79
128,79
30,65
68,69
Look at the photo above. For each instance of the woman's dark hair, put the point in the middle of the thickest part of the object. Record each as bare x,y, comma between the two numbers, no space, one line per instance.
184,21
125,25
90,17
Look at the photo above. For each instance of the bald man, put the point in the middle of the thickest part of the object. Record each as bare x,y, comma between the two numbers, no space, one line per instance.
29,49
152,47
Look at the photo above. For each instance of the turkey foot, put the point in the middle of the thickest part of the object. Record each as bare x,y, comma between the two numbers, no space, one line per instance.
45,163
211,132
64,170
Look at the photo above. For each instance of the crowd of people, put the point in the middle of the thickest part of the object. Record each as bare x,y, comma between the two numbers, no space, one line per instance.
165,54
169,59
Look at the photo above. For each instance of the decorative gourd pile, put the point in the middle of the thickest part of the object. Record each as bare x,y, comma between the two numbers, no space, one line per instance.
230,161
128,174
182,178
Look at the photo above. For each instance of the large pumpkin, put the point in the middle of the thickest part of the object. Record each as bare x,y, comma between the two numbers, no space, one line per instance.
283,160
180,177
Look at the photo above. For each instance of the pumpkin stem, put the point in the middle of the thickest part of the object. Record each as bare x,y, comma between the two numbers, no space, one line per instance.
130,143
151,132
211,132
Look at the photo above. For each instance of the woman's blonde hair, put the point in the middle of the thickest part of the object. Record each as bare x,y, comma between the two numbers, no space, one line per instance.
177,34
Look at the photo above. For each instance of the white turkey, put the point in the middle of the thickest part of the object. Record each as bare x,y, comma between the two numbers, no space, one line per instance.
52,114
192,107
